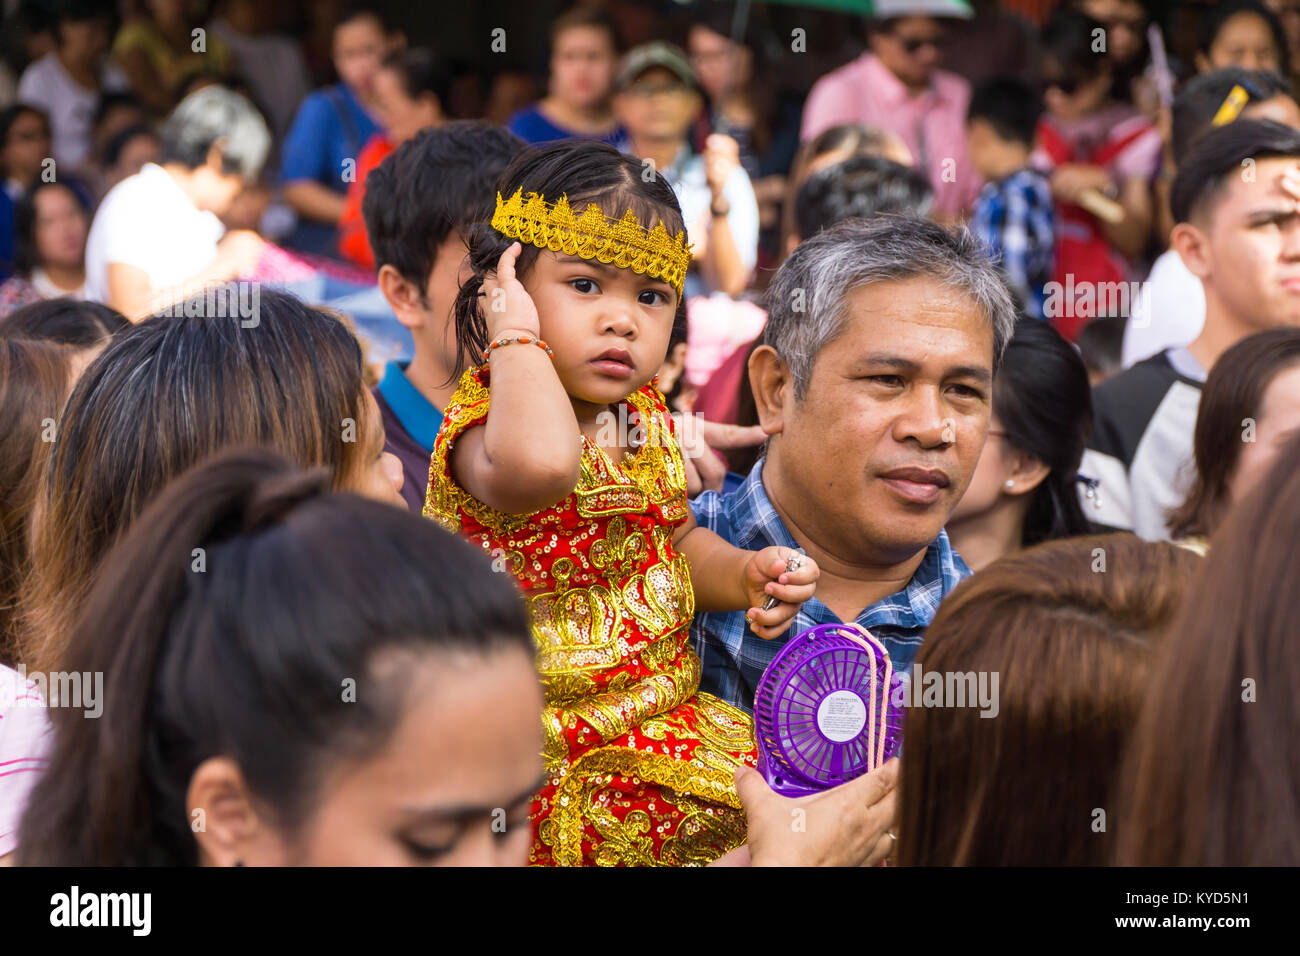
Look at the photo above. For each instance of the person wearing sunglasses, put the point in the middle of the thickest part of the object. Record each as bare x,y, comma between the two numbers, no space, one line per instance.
898,86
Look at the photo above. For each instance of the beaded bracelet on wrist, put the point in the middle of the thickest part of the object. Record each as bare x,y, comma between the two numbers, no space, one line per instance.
521,340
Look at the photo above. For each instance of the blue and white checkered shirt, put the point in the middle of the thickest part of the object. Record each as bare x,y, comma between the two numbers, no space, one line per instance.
1016,219
734,658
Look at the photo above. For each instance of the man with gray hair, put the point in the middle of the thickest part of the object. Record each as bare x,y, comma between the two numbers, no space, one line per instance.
157,237
874,384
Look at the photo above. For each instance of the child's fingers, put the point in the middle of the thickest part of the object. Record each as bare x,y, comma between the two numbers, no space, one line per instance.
506,264
804,575
790,593
770,624
776,568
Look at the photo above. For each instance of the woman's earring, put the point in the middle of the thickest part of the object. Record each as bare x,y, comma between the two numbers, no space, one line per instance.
1009,483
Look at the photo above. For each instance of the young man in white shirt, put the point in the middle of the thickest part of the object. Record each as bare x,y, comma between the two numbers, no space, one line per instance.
1239,235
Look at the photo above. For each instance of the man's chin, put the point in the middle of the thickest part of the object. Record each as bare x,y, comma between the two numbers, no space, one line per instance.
907,528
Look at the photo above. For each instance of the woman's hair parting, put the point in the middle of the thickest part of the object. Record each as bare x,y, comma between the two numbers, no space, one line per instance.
164,395
1050,648
228,622
586,173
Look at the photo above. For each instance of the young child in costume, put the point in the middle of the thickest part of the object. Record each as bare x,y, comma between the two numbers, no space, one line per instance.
566,329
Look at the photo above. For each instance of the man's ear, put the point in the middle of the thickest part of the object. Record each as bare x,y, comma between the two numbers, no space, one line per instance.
1192,246
769,379
402,295
215,160
225,824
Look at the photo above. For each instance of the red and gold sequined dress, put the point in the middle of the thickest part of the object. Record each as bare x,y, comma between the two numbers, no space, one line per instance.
639,763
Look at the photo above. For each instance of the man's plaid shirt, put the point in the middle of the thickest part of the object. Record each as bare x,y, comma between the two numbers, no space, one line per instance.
734,658
1017,220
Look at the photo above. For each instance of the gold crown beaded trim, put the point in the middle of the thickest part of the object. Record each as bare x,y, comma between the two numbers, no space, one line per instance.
593,235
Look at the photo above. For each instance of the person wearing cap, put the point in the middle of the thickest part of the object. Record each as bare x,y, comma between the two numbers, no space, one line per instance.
657,99
897,86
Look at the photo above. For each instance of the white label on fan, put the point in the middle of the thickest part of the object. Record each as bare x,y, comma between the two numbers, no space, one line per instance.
841,716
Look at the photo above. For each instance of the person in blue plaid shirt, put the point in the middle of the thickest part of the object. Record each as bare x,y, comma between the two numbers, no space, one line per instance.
873,382
1014,214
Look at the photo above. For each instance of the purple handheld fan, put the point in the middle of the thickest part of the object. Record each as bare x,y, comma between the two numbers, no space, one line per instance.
825,710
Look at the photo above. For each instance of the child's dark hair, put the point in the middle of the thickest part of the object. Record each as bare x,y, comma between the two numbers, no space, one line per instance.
1009,104
586,172
300,589
1067,44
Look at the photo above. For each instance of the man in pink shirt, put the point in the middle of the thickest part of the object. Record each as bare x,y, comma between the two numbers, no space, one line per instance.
898,87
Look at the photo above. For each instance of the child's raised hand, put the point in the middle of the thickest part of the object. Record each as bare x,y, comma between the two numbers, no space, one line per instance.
767,575
509,307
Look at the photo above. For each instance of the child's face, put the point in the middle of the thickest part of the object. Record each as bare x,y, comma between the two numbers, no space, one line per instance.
981,143
609,327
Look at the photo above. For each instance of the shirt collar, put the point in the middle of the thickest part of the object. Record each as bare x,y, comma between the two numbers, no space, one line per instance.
940,570
419,416
1185,363
888,88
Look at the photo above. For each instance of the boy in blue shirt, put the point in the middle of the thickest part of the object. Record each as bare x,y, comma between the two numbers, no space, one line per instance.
419,204
1014,214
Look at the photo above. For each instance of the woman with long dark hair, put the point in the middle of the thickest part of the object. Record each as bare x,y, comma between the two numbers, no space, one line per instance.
169,392
1024,488
1213,770
50,226
292,676
1249,407
1068,630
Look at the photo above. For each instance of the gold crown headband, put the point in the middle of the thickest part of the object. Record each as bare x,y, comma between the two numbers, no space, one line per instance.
622,242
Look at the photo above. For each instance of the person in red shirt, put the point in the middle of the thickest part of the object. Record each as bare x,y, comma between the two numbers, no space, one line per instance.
411,90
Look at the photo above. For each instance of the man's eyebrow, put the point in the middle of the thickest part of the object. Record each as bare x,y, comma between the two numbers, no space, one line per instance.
1280,210
464,811
977,372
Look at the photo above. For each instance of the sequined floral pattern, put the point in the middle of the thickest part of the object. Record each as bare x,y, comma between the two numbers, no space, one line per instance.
639,763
